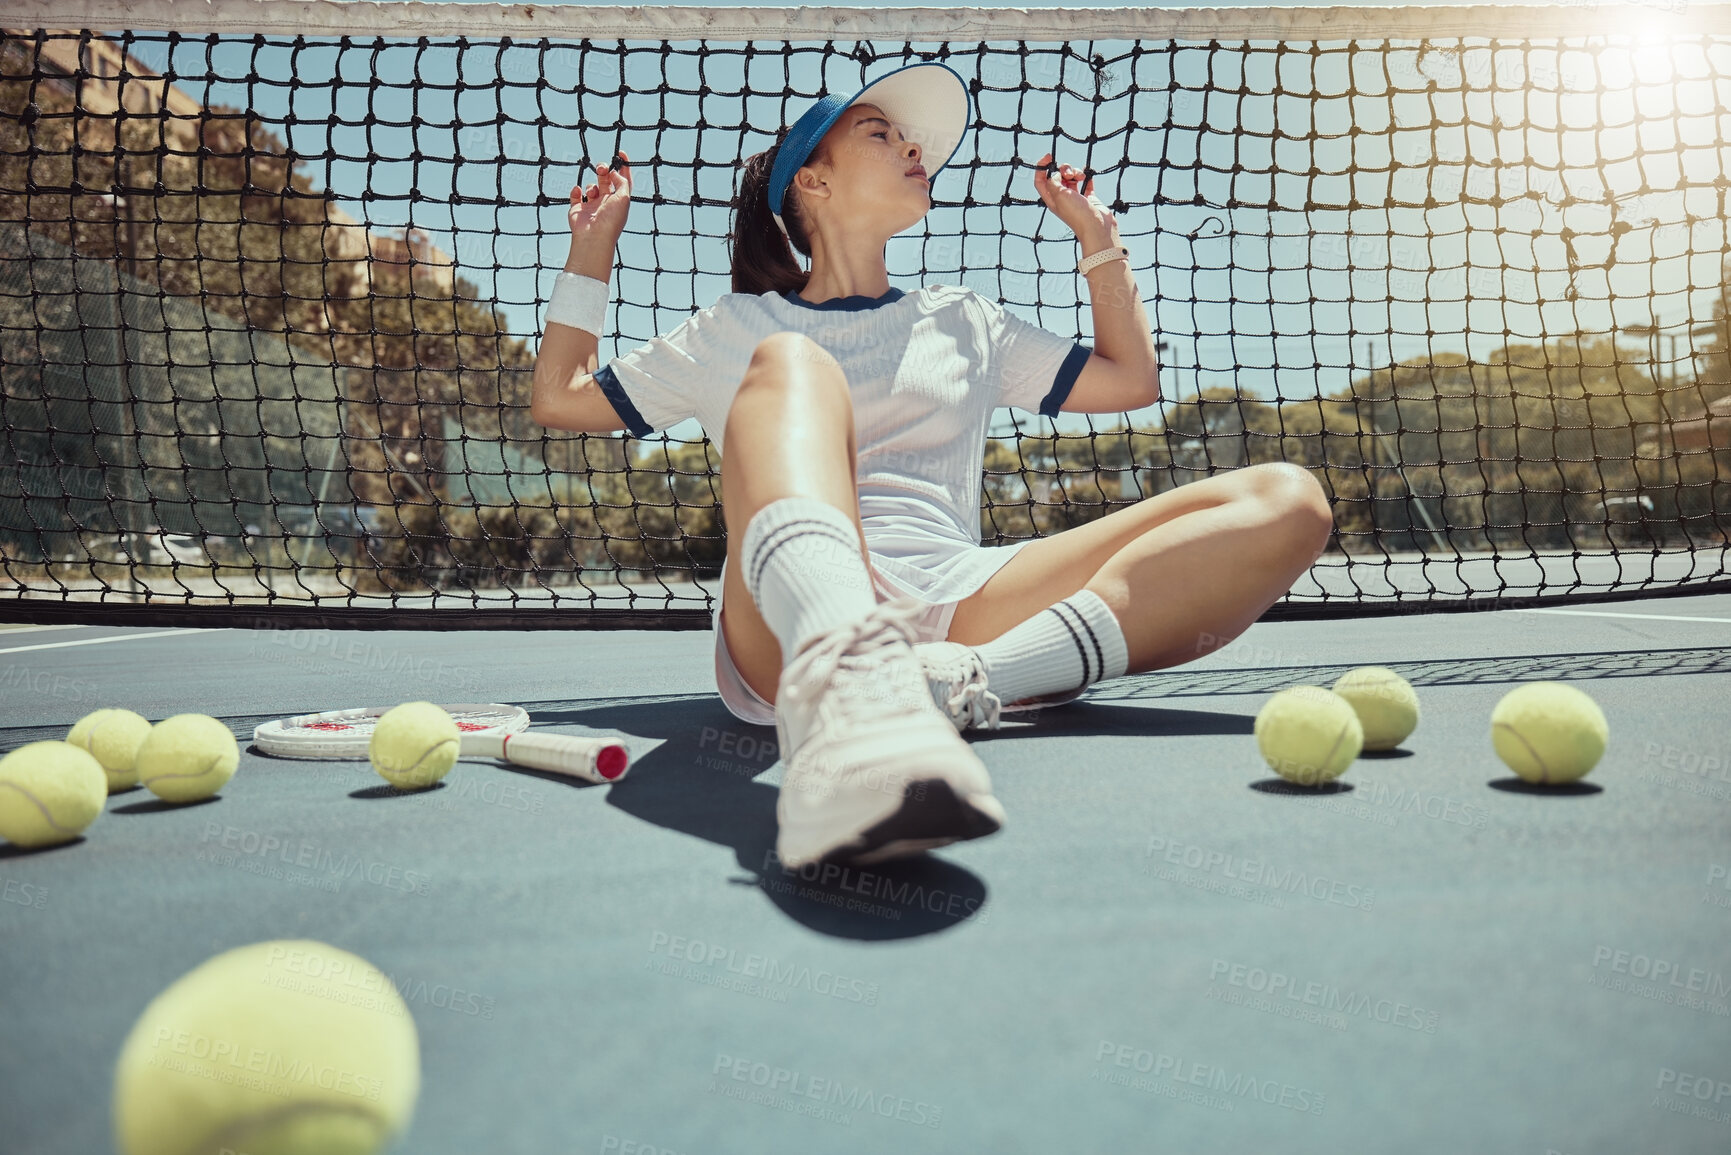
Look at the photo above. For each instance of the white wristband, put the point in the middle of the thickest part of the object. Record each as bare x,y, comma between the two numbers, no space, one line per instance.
578,301
1104,257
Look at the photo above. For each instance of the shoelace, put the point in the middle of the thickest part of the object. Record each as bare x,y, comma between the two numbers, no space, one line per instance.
975,706
967,700
851,647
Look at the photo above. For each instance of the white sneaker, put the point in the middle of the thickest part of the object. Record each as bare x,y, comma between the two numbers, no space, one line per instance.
874,770
957,680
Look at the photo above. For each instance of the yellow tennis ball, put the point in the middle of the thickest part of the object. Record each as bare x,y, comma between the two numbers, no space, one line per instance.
1308,735
187,757
113,738
1548,732
414,745
49,792
1385,704
279,1048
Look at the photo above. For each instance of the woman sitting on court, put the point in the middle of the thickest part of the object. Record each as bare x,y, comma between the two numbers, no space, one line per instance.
862,616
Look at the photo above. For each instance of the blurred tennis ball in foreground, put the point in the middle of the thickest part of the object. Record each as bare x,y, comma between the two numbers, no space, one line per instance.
1549,733
113,738
414,745
49,792
290,1047
1308,735
187,758
1385,703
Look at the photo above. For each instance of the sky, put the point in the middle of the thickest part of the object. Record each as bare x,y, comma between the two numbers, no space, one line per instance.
1358,205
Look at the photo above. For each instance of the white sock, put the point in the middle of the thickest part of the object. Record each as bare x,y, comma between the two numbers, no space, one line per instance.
804,570
1063,647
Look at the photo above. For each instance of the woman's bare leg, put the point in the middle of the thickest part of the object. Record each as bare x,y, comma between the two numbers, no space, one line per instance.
1184,572
789,433
884,776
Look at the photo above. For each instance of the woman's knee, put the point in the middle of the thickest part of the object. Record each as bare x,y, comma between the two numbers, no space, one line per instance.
1294,502
794,367
789,358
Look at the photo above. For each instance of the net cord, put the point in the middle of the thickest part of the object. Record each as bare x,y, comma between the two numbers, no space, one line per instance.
973,25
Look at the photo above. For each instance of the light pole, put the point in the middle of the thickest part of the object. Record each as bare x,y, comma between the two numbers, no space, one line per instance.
123,261
1650,333
1720,328
1665,379
1415,504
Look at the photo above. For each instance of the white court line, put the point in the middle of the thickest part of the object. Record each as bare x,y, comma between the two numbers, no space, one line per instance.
8,631
1637,617
112,638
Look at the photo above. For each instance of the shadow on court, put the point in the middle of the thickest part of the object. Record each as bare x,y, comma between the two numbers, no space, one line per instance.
681,786
1185,681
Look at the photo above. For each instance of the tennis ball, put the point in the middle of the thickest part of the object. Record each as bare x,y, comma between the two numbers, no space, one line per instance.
414,745
1308,735
187,757
113,737
1385,704
1548,732
49,792
278,1048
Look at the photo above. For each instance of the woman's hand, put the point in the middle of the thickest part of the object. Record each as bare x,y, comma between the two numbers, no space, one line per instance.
597,213
1074,203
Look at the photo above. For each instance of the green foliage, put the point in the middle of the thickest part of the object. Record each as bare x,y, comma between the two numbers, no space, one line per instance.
1537,447
238,283
643,511
287,347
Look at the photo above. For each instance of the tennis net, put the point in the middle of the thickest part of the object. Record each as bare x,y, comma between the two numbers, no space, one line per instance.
271,281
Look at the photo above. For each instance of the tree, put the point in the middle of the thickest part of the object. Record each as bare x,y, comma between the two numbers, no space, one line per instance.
230,227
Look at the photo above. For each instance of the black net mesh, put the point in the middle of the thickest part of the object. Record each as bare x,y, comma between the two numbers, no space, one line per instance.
269,305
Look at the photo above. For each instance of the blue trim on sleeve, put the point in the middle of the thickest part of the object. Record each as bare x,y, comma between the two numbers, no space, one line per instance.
615,394
1065,380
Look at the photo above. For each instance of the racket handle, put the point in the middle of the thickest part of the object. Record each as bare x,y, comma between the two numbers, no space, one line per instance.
598,760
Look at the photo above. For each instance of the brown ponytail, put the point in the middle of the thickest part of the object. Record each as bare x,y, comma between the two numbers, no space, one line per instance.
763,261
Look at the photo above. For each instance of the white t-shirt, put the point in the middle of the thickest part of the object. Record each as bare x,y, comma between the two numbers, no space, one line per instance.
925,370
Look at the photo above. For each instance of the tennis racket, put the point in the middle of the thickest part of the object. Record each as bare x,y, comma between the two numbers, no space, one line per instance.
488,731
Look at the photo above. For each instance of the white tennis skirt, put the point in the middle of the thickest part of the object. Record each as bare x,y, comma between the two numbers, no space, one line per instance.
915,552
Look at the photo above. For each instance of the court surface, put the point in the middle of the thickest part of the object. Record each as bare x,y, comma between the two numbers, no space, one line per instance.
1164,950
